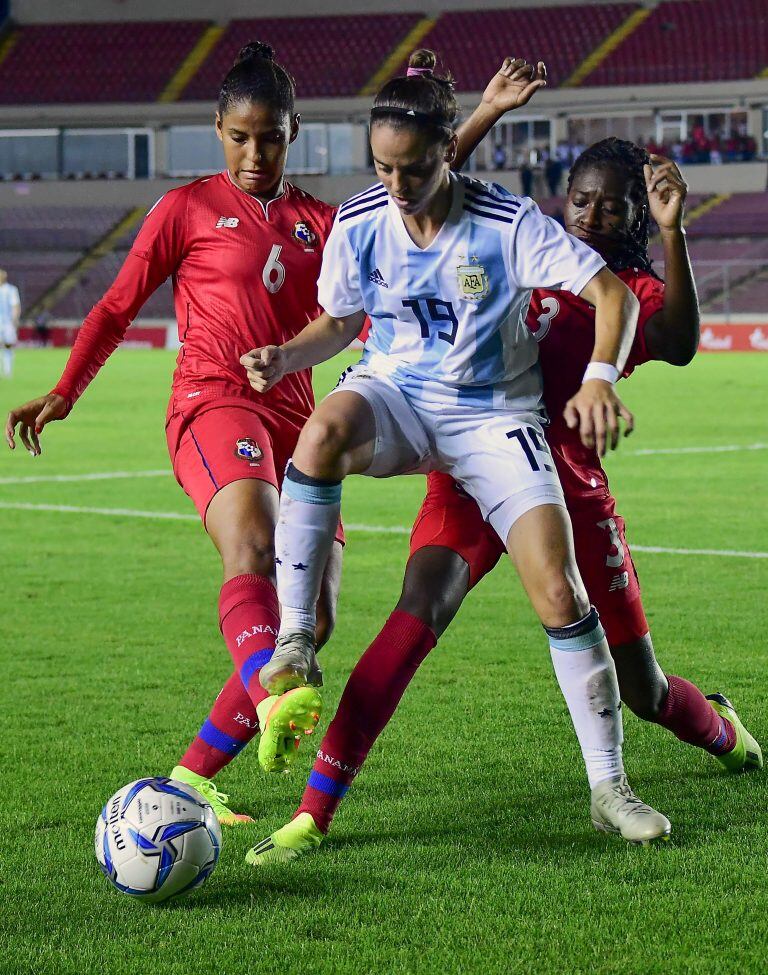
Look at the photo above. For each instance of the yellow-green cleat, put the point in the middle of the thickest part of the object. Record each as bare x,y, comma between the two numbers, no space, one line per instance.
284,722
217,800
746,754
614,808
291,841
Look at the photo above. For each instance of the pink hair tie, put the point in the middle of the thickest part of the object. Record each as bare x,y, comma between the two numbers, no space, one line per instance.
424,72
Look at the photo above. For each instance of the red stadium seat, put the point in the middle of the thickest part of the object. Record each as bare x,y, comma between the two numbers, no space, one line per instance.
80,63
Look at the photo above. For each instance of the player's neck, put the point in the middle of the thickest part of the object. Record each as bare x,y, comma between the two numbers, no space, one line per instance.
424,226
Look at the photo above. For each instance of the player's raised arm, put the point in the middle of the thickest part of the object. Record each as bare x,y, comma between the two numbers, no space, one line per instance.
320,340
513,86
672,334
595,409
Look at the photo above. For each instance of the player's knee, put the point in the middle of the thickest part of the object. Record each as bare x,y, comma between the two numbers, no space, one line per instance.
561,601
436,582
324,440
246,555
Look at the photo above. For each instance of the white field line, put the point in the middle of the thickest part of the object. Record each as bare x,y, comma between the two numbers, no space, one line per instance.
99,476
352,527
126,475
722,449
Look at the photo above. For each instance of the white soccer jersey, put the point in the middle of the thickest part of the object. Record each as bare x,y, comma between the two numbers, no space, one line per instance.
448,321
9,302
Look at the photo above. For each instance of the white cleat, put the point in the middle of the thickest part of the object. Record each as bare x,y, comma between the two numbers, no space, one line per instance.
293,664
616,809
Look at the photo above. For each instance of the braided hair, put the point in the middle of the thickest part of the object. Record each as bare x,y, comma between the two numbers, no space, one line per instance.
257,77
628,159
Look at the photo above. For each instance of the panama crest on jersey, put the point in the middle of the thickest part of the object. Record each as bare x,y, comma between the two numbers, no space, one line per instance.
473,280
304,234
248,450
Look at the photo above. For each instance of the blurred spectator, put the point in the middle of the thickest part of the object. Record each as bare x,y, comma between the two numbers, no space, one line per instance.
553,174
499,156
526,179
43,327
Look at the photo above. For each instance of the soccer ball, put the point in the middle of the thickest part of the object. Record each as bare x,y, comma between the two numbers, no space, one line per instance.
157,838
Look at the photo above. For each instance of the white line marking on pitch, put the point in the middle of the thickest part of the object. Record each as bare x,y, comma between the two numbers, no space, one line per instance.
99,476
722,449
125,475
352,527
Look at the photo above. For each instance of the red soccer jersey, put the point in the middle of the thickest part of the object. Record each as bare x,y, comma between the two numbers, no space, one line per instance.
565,326
244,275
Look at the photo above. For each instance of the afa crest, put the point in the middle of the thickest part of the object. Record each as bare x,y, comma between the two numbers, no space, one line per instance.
304,234
248,450
473,280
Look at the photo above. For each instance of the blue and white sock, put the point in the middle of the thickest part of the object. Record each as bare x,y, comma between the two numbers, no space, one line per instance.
306,528
587,677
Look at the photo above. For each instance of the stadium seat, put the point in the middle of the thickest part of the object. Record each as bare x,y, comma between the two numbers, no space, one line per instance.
81,63
691,40
328,56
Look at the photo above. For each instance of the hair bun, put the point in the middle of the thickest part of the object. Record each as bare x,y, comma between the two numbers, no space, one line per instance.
255,49
424,59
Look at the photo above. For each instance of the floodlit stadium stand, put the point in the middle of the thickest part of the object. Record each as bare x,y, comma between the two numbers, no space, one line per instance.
691,40
80,63
474,43
328,56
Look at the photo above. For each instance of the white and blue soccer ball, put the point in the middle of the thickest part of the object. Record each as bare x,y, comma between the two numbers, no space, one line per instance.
157,838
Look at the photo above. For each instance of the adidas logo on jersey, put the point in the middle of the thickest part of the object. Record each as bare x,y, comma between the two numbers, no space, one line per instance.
376,277
230,222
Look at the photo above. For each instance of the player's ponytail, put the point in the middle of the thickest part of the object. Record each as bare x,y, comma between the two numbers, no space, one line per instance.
420,98
628,160
257,77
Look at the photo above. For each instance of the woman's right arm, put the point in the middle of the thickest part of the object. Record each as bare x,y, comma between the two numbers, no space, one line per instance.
320,340
153,257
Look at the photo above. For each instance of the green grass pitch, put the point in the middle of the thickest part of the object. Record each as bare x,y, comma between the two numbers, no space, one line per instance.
465,845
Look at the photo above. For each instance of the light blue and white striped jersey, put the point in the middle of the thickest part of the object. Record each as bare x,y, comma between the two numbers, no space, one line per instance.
448,321
9,300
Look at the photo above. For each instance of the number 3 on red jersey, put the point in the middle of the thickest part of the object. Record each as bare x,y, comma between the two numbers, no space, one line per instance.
273,274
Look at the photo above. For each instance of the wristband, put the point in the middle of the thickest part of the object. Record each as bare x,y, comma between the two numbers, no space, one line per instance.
601,370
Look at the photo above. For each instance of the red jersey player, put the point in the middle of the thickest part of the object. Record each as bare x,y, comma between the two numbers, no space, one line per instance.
244,250
611,190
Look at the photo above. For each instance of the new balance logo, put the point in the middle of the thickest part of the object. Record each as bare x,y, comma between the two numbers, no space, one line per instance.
620,581
376,277
230,222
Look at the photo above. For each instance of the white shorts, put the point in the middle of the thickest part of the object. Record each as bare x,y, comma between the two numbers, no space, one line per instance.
8,335
499,457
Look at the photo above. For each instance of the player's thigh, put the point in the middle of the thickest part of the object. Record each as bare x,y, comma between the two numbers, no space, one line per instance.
449,518
385,433
339,437
609,575
223,459
329,594
540,544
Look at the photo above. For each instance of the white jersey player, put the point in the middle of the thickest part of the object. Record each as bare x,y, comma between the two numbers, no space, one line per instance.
10,311
444,267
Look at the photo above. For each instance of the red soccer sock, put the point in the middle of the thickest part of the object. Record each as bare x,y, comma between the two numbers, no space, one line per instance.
690,716
249,616
226,731
369,700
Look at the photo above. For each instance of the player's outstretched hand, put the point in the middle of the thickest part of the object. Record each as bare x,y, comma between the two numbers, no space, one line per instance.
264,367
595,410
31,418
514,84
667,191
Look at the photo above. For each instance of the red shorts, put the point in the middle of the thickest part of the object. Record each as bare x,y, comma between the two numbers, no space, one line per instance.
221,444
451,518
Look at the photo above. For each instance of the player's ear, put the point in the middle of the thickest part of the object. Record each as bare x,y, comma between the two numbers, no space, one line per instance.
451,149
295,124
218,127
